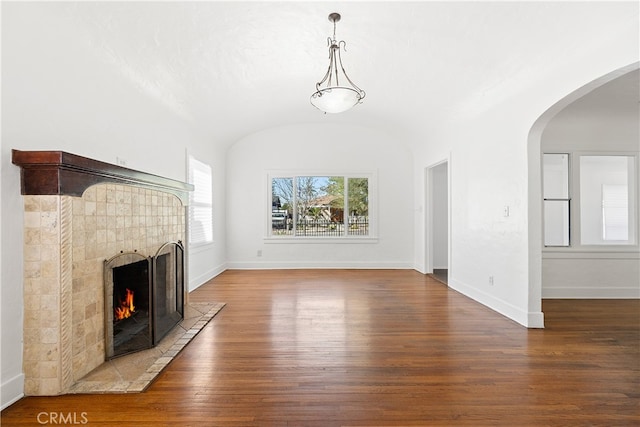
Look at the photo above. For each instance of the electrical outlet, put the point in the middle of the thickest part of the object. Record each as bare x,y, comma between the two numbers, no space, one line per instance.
120,161
491,280
259,252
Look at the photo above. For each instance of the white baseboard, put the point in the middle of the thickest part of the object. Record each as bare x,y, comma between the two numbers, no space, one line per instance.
527,319
12,390
591,293
291,265
536,320
196,282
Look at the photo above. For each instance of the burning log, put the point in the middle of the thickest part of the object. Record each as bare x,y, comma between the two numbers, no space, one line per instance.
126,307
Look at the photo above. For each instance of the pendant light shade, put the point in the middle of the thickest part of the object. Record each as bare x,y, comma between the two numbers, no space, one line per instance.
336,92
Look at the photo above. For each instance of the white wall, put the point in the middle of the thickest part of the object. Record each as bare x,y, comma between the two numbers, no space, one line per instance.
495,162
205,262
440,212
588,271
91,109
318,149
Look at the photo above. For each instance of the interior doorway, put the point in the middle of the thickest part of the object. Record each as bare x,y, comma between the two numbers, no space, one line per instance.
437,239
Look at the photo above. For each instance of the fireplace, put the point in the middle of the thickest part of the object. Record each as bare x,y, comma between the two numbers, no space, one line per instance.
143,298
77,213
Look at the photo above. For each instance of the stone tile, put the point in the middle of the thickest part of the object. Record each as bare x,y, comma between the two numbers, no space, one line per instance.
138,386
90,194
164,360
78,206
50,269
32,219
32,236
49,386
48,369
32,203
49,203
171,353
155,368
90,208
49,220
49,236
103,373
32,252
49,335
101,193
50,253
118,387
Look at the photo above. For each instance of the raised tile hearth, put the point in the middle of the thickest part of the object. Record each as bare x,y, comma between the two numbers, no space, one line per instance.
133,373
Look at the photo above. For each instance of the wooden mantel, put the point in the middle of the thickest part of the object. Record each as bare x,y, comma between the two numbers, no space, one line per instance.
61,173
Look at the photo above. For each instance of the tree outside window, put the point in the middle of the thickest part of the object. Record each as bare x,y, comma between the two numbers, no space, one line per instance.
315,206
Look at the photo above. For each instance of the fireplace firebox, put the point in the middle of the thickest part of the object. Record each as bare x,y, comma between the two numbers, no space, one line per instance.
144,298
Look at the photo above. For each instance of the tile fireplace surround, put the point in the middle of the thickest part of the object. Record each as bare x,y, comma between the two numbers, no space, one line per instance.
77,213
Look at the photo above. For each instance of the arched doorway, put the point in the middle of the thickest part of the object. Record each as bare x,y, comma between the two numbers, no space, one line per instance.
535,181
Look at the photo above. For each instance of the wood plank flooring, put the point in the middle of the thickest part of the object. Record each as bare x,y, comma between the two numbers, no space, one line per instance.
377,348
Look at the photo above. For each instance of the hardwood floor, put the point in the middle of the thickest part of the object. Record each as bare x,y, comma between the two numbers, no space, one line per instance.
377,348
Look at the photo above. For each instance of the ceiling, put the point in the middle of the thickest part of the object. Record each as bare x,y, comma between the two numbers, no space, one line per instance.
234,68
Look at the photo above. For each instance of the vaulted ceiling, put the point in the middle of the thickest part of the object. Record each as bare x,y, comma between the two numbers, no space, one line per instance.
234,68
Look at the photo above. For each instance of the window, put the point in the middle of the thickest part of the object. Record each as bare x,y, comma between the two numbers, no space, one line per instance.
556,199
605,188
320,206
200,203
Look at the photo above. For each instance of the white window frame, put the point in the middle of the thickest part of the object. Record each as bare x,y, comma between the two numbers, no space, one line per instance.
633,202
198,199
561,199
372,237
575,244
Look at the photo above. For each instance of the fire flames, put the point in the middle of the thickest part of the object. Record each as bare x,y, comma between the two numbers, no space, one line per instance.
126,308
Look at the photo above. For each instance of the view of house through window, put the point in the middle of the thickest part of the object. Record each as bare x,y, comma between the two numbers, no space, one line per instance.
319,206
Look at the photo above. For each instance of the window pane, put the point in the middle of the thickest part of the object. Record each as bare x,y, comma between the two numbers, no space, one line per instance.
319,206
605,208
281,206
615,212
556,176
202,186
200,203
556,223
201,227
358,203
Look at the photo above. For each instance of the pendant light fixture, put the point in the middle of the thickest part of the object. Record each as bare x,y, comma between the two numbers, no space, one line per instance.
339,93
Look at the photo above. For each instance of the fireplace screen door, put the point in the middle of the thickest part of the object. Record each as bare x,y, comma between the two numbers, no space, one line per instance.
144,298
168,279
128,324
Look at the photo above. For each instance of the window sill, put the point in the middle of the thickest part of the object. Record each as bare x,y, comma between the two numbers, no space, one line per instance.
617,252
320,240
